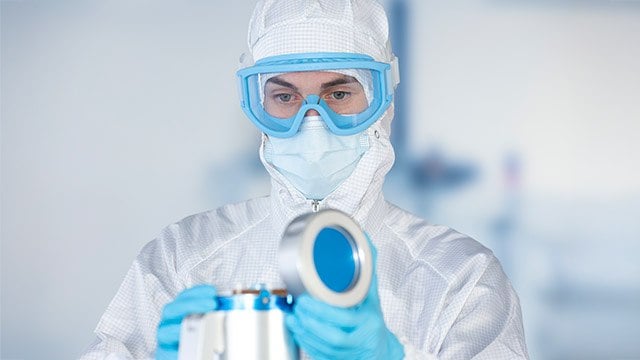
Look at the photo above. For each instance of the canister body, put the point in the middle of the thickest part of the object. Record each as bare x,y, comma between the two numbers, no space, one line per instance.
245,327
256,335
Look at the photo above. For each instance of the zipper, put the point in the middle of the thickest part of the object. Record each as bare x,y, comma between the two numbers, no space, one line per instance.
315,205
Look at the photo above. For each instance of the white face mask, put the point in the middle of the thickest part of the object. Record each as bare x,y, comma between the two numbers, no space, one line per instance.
315,160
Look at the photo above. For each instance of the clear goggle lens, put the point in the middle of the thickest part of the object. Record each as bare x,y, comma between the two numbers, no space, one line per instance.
282,97
349,99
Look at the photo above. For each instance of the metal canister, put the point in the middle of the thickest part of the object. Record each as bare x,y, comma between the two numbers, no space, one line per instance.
325,254
247,325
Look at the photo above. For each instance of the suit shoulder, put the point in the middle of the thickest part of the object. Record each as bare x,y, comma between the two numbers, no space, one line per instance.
186,242
440,247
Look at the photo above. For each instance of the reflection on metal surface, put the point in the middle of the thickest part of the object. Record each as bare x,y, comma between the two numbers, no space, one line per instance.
248,325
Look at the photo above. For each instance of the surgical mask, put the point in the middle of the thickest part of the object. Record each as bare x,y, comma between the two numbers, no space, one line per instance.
315,160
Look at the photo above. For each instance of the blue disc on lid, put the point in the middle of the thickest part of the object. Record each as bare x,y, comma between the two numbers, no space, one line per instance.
333,255
327,255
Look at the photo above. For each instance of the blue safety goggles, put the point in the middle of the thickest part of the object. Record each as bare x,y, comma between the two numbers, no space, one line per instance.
349,91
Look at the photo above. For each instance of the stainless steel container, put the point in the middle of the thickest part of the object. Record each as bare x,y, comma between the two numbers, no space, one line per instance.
325,254
247,325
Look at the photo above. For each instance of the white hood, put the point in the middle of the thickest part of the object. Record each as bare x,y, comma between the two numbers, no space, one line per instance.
280,27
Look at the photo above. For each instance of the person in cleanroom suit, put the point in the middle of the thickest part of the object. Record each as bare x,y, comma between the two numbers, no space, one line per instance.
326,126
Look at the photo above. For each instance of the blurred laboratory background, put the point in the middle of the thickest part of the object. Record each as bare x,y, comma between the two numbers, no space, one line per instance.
518,123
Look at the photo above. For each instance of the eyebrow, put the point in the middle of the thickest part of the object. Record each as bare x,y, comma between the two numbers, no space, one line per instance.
281,82
339,81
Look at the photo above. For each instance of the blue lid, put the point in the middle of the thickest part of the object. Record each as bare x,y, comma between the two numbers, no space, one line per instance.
335,258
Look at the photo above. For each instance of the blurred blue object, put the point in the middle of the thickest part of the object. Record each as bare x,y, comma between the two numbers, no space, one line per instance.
399,25
434,172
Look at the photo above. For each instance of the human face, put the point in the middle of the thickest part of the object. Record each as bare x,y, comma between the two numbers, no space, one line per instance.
285,94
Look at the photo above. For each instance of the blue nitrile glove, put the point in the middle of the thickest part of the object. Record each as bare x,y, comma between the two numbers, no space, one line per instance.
196,300
324,331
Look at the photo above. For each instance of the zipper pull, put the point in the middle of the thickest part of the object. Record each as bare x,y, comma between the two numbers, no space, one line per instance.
315,205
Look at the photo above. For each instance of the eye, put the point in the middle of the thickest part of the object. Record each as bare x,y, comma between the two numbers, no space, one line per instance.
339,95
284,97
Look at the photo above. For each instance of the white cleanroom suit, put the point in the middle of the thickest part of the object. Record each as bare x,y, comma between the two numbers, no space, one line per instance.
443,295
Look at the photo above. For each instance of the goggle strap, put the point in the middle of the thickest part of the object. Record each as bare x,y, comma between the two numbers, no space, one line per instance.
394,75
240,88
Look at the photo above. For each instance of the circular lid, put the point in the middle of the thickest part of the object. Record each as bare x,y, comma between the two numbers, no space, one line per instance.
327,255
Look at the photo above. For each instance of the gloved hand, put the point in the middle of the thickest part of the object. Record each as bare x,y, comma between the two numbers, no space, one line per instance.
196,300
324,331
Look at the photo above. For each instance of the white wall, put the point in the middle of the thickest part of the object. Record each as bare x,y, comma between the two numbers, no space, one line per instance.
115,119
559,81
119,118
